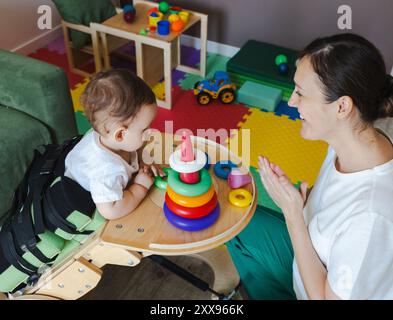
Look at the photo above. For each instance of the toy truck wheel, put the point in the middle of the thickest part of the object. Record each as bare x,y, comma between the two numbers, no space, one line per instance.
227,96
203,98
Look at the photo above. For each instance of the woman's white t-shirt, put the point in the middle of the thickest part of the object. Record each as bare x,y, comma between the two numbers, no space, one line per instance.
98,170
350,222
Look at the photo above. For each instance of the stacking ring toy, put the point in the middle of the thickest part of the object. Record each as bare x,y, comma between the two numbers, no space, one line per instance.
192,224
187,167
159,181
223,168
191,213
190,202
240,198
190,190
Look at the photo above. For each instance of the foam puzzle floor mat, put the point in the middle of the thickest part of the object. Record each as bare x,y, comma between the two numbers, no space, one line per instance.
278,138
274,134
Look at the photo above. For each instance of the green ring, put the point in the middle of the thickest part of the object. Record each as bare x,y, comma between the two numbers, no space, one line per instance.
159,182
190,190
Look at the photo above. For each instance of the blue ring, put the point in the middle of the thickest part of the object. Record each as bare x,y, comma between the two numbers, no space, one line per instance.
219,170
207,165
192,224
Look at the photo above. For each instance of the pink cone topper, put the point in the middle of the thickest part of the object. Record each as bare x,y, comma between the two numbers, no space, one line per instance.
187,152
238,179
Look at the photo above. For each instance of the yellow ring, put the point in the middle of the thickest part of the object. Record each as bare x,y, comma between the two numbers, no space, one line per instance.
190,202
240,198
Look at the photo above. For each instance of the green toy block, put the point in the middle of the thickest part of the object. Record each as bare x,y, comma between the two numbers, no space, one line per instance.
239,80
260,96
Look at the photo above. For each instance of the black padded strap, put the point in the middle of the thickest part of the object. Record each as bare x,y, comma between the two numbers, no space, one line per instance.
10,253
23,229
41,177
56,218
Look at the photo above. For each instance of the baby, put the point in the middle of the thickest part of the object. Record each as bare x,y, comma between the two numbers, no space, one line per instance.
120,107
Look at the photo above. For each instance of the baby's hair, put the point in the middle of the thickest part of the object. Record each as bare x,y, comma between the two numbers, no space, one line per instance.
119,92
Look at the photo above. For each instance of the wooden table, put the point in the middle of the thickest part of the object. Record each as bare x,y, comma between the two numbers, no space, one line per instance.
156,55
146,231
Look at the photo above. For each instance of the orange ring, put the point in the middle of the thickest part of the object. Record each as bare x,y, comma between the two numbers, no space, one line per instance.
190,202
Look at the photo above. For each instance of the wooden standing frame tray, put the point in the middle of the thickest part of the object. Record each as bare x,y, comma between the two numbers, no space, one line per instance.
147,229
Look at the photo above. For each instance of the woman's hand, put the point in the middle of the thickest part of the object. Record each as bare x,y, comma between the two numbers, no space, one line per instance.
280,189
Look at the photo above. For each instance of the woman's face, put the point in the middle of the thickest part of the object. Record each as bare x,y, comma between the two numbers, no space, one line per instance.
317,117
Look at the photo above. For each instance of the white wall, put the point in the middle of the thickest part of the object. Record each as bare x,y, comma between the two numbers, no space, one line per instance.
18,25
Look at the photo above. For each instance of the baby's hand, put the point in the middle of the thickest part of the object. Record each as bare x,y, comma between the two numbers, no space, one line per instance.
144,178
153,168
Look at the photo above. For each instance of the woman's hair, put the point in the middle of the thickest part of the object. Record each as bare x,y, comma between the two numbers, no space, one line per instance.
119,92
349,65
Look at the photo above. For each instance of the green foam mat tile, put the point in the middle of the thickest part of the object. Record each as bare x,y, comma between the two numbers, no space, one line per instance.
82,123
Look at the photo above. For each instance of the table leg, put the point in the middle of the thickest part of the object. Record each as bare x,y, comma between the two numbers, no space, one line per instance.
201,71
107,63
226,277
203,46
139,59
96,50
168,77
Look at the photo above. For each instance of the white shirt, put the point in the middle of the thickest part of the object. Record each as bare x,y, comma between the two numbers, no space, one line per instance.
350,222
98,170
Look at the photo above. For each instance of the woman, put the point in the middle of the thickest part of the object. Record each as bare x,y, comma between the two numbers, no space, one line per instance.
338,242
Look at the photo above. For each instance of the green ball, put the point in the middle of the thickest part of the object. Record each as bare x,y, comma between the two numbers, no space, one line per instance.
163,7
281,59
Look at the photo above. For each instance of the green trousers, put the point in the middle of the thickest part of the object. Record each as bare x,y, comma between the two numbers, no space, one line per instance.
263,256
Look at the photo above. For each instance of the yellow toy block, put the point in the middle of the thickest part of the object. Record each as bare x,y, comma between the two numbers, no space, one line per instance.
278,139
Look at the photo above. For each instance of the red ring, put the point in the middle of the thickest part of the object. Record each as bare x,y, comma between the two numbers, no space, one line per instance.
191,213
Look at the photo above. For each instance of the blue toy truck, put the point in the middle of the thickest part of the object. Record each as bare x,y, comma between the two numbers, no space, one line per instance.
219,87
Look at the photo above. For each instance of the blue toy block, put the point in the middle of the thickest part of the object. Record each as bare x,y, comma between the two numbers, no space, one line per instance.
260,96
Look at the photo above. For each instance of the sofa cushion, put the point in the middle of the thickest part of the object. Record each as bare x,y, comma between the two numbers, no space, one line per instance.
84,12
20,135
40,90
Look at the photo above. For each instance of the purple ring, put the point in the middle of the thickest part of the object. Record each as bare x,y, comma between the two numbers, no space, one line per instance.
192,224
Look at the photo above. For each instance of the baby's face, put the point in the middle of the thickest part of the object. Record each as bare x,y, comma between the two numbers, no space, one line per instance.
132,134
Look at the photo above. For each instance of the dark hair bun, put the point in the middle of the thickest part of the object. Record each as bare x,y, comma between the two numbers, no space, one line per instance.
386,107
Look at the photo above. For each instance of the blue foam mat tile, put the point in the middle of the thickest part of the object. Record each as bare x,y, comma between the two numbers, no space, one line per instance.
283,109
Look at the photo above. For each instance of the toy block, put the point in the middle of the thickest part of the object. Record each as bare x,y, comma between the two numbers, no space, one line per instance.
259,95
239,80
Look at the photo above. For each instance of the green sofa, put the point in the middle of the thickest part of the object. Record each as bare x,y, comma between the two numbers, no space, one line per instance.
35,108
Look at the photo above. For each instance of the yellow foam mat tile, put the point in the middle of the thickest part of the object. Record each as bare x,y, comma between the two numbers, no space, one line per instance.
76,93
278,138
159,90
